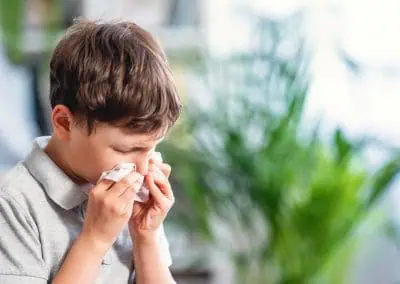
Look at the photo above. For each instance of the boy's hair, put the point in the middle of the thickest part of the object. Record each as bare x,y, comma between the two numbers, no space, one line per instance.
115,73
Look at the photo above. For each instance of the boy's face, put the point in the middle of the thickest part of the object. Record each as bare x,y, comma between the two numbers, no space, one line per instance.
89,155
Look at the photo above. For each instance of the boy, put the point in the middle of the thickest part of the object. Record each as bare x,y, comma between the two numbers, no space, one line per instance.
113,99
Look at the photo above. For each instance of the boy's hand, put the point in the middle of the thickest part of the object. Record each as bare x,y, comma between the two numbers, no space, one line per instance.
148,217
109,209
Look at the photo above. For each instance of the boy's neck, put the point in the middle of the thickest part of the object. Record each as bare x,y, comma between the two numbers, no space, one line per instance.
56,154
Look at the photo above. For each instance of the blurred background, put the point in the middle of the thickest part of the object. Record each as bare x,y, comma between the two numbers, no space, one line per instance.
286,158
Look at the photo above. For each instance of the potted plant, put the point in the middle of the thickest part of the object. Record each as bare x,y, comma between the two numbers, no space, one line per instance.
255,180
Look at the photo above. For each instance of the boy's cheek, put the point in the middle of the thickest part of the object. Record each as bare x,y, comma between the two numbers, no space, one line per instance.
93,168
106,166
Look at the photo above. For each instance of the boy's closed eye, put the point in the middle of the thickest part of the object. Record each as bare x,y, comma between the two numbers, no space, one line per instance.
136,149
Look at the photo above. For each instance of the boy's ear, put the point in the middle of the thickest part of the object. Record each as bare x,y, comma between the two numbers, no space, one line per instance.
62,120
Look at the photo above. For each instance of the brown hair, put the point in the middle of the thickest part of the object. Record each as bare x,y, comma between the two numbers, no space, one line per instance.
114,72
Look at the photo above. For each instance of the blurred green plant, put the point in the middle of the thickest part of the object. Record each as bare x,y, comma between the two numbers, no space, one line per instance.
13,26
289,199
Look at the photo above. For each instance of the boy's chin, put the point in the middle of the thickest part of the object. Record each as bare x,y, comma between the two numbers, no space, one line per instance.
79,178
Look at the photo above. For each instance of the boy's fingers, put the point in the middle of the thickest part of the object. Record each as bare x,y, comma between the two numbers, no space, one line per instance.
163,184
154,190
132,182
103,185
165,168
127,198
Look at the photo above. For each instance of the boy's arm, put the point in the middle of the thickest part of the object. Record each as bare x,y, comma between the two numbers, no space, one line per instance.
151,253
21,258
150,263
105,217
83,254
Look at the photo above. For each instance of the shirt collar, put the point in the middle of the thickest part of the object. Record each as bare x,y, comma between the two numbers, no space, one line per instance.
58,186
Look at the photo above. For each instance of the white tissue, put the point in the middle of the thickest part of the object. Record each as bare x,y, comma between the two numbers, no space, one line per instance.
121,171
118,172
124,169
157,156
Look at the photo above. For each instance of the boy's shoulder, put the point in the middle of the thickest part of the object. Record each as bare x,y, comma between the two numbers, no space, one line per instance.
17,184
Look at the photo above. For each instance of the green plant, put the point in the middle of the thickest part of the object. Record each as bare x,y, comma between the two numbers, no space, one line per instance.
290,199
13,24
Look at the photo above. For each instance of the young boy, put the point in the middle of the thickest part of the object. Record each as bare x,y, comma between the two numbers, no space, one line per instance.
113,99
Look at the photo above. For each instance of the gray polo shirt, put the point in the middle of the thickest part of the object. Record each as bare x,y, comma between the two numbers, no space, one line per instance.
41,214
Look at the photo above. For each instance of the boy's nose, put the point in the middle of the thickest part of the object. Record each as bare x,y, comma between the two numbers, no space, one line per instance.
142,166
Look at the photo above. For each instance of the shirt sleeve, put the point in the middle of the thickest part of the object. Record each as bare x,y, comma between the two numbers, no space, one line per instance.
20,249
164,245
